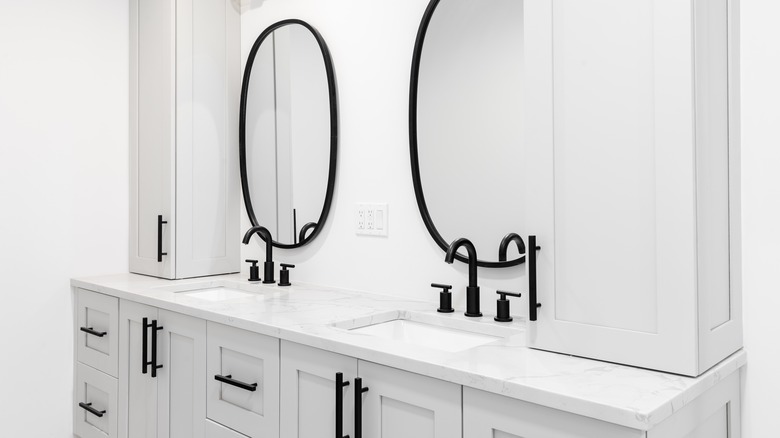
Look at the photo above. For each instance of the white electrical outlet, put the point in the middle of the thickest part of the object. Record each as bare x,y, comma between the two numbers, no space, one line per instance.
371,219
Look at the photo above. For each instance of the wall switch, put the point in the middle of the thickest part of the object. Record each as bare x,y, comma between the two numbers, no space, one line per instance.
371,219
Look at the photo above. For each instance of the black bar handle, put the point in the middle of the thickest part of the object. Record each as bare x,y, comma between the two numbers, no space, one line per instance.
93,332
155,328
160,252
340,385
88,407
359,390
154,365
237,383
533,305
144,346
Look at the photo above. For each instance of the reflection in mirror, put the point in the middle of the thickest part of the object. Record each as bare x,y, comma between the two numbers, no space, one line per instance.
466,131
288,133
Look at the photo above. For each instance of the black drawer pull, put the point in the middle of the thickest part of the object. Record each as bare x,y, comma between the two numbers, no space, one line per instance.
230,381
93,332
88,407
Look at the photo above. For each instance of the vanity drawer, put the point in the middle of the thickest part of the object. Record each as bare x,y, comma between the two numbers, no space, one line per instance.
97,331
216,430
243,380
95,404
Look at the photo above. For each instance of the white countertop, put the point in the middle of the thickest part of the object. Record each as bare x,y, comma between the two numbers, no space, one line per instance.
304,313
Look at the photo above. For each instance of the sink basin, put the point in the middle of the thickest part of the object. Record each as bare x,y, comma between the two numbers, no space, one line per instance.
428,330
211,291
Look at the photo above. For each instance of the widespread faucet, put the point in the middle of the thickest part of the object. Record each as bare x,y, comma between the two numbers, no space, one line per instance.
268,266
509,238
472,290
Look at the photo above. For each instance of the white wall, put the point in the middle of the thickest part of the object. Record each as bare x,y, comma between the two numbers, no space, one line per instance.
63,188
371,44
761,213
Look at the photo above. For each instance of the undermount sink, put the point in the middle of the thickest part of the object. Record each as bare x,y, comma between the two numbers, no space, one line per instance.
211,291
428,330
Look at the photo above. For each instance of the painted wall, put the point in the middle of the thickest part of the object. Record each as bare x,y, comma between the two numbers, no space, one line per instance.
761,213
63,188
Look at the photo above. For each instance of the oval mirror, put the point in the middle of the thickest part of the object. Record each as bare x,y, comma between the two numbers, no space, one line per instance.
288,133
465,124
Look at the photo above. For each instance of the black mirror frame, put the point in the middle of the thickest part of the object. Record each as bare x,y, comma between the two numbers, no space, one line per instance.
418,190
333,129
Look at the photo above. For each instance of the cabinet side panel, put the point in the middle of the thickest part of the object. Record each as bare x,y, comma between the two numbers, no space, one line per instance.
718,293
207,237
712,158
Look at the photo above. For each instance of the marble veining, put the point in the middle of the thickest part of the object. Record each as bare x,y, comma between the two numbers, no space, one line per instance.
317,316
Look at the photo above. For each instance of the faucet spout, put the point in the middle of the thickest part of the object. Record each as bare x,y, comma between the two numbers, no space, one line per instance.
504,246
472,291
264,234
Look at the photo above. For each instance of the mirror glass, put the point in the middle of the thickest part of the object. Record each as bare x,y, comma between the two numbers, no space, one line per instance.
467,124
288,133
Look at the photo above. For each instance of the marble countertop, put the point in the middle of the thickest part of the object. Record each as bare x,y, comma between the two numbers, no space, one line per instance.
315,316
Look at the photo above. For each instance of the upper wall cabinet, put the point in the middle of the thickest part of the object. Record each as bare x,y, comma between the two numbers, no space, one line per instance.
632,160
185,71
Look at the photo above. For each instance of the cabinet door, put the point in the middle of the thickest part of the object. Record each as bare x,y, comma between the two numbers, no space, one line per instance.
152,136
488,415
243,380
182,379
208,85
95,412
137,391
631,216
308,394
399,404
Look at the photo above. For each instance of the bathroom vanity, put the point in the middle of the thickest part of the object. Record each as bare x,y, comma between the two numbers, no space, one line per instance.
221,357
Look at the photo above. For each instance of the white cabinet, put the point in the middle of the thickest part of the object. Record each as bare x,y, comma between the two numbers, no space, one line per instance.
162,391
396,404
185,84
714,414
633,152
243,380
401,404
97,330
308,403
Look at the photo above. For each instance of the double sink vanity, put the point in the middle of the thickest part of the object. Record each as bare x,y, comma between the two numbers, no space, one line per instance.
599,166
427,374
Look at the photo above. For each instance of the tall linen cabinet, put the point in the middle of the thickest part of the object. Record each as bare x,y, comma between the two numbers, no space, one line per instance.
185,70
633,155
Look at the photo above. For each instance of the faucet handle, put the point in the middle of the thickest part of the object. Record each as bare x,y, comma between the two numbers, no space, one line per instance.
254,271
444,287
502,306
505,293
445,298
284,274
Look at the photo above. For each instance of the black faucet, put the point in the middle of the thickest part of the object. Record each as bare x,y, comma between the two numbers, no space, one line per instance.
268,266
509,238
472,290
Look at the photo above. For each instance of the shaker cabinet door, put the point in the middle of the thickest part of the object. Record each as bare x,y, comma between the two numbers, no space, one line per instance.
400,404
630,158
308,406
137,390
181,402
